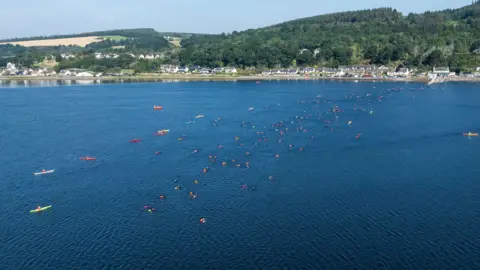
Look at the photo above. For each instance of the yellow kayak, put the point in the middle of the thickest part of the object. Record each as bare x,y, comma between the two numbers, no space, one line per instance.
41,209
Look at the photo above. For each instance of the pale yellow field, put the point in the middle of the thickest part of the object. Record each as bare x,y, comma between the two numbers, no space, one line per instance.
79,41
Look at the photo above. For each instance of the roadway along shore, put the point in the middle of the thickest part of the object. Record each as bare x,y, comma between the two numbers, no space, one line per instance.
189,77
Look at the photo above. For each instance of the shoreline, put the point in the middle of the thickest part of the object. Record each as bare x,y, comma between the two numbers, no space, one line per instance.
147,78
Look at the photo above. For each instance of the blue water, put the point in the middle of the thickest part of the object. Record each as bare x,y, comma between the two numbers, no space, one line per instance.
404,195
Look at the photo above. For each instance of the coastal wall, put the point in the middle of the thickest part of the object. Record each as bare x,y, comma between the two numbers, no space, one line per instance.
229,78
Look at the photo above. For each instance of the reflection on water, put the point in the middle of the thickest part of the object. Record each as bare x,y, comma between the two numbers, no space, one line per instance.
50,83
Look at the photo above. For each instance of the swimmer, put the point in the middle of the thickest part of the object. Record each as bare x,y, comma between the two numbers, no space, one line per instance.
270,177
205,170
162,197
244,186
203,220
301,149
238,165
195,181
277,156
220,146
247,164
178,188
195,151
158,153
224,163
247,153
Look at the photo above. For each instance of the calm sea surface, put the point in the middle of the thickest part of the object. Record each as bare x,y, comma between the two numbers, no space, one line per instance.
406,194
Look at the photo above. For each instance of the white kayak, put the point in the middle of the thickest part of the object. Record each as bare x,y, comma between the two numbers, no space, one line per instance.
199,116
43,172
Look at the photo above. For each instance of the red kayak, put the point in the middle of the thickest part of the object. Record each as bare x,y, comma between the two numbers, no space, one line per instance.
88,158
136,140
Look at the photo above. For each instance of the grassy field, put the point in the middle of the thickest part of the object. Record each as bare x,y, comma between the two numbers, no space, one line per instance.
46,64
79,41
176,42
115,38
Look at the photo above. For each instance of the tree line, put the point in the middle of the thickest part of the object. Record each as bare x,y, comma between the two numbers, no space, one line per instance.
379,36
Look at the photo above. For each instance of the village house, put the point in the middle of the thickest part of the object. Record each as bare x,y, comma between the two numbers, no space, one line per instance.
217,70
399,72
99,55
141,56
292,71
194,69
182,70
441,71
230,70
307,70
169,68
204,71
328,71
466,74
84,74
67,56
358,69
111,56
266,72
149,56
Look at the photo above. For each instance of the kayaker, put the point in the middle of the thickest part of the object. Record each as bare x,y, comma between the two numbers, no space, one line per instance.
38,207
43,170
205,170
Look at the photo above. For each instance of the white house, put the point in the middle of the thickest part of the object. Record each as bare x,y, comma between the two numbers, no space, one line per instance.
169,68
67,56
182,70
217,69
11,67
84,74
441,71
141,56
204,71
150,56
230,70
307,70
401,72
99,55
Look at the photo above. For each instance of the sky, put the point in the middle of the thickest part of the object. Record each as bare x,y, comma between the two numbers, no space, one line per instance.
53,17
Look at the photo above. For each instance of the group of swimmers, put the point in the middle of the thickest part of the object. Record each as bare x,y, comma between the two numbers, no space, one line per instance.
330,119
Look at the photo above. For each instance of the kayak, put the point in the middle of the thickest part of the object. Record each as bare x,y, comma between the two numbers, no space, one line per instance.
251,109
41,209
88,158
136,140
199,116
470,134
155,107
45,172
163,132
